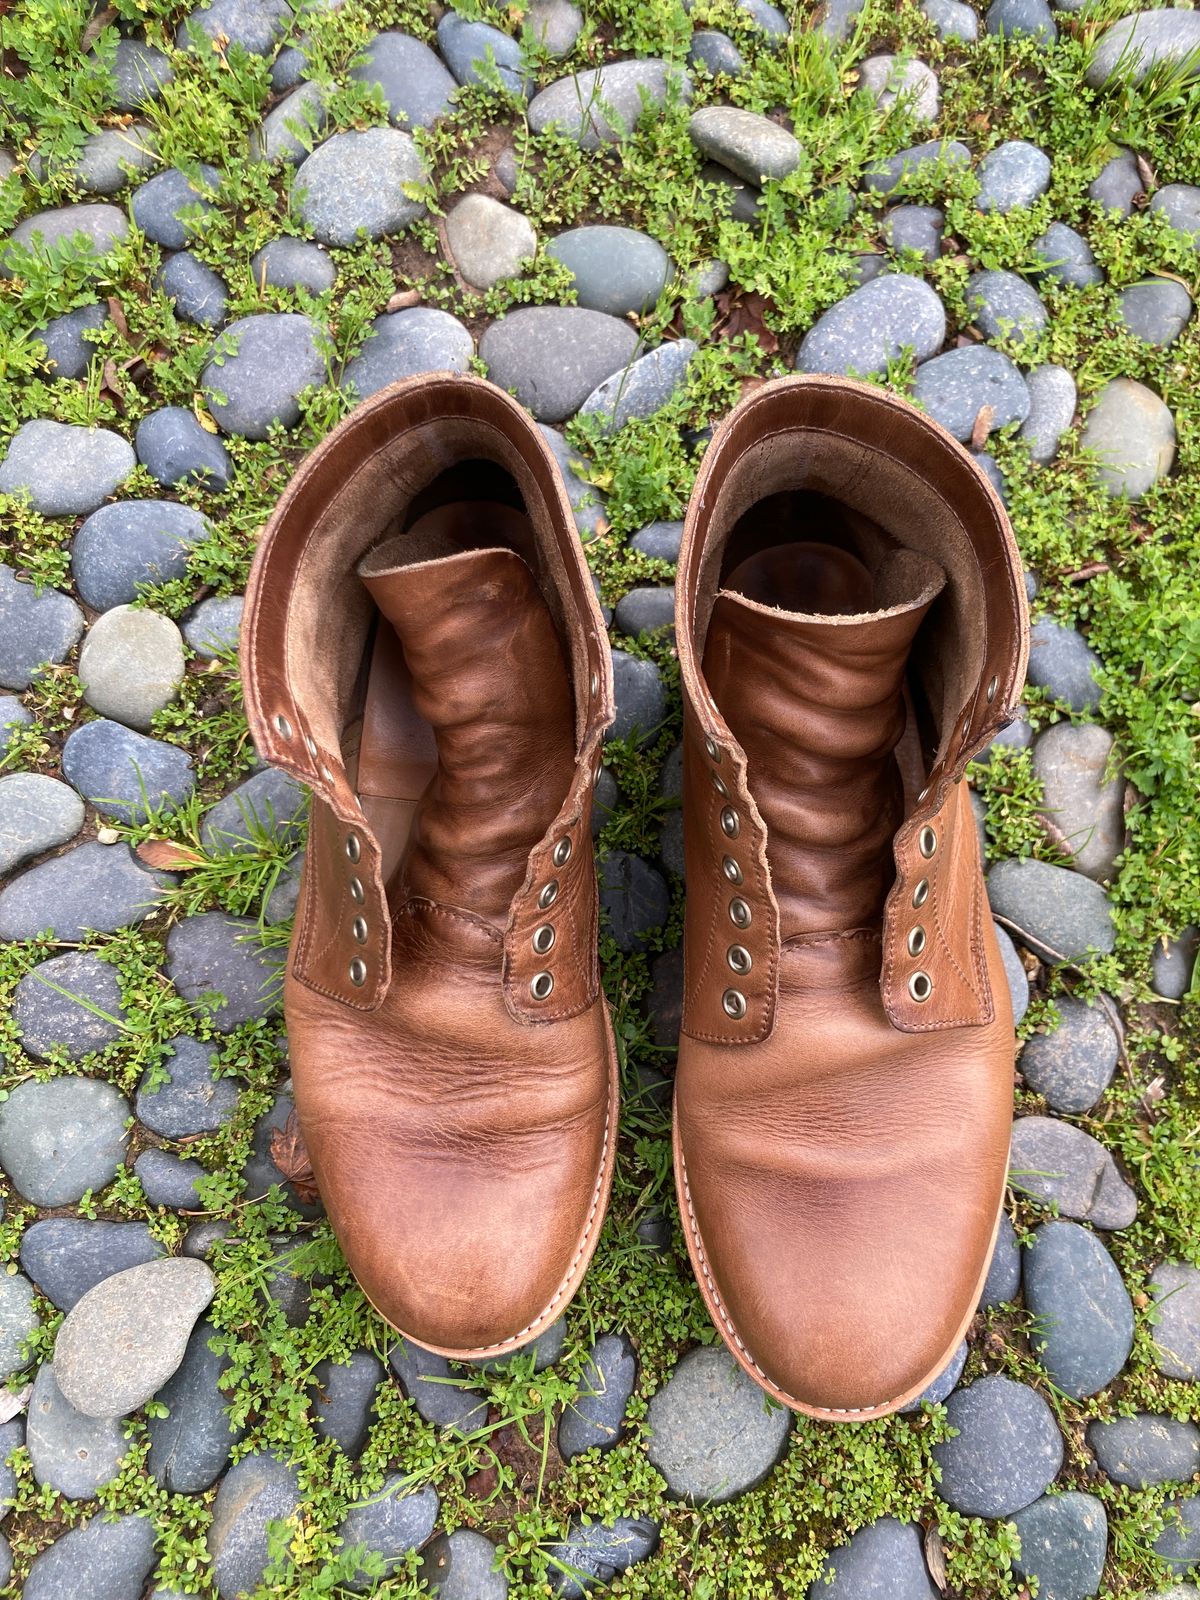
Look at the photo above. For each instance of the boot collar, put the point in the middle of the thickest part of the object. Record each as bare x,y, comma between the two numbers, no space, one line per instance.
878,455
305,625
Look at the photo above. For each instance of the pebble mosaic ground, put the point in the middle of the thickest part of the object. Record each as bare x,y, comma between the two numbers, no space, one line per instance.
223,226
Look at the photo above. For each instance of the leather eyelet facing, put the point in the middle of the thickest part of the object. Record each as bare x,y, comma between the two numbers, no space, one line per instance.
730,822
720,786
353,847
920,894
920,986
991,690
284,726
732,871
547,895
927,841
712,750
561,853
359,929
739,958
310,744
542,985
740,914
357,893
916,940
733,1003
543,939
358,972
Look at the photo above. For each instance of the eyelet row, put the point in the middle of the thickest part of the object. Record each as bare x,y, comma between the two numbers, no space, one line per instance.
920,984
358,927
737,957
541,985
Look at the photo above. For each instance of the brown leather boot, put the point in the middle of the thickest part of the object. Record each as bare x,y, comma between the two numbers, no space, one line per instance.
852,629
423,648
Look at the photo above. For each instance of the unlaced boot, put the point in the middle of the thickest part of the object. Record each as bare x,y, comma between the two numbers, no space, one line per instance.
852,630
422,646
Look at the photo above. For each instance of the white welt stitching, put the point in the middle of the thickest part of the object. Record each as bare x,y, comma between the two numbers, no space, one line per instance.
825,1411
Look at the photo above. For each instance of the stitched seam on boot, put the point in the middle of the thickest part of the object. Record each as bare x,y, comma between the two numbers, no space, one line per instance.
825,1411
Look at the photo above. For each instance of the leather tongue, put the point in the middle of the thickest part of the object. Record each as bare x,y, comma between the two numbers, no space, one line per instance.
814,697
490,679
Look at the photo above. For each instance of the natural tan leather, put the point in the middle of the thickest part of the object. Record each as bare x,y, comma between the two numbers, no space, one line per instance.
852,628
423,647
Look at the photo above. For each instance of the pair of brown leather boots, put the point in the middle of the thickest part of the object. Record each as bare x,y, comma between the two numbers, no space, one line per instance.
423,648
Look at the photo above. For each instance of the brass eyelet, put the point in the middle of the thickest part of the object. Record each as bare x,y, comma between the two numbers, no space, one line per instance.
733,1003
711,749
543,939
731,870
991,690
927,841
920,986
310,744
353,847
359,929
358,972
562,853
739,958
920,894
357,893
916,940
740,914
730,822
720,786
541,986
284,726
548,895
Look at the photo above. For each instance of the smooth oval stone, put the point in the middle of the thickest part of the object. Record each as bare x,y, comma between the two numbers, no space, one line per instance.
1011,176
641,700
1180,204
1179,1543
553,357
124,1338
390,1523
293,264
256,1491
258,369
645,608
67,1256
64,470
267,805
1066,257
1062,663
873,325
555,25
415,86
199,293
956,387
1132,434
92,888
118,1557
36,814
1007,1448
634,899
68,351
643,388
1003,1279
190,1446
401,344
1005,307
587,501
916,228
615,270
131,665
175,449
18,1322
886,79
894,173
193,1099
1137,44
953,20
1052,398
35,629
1022,19
660,540
69,1005
172,207
212,953
356,182
61,1138
1143,1450
1072,1065
170,1180
599,105
594,1553
882,1560
290,131
595,1418
96,228
1057,913
716,52
474,50
130,544
1058,1164
1084,1313
257,25
711,1433
1156,312
68,1451
1082,808
435,1390
747,143
461,1566
487,240
1176,1289
140,72
1064,1539
122,772
343,1399
1118,183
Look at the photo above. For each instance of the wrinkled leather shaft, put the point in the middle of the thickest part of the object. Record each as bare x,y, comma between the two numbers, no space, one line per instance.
460,1126
841,1143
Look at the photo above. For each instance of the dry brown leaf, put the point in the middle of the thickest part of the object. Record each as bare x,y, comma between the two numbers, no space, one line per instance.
403,299
290,1156
116,315
935,1557
203,416
743,311
1146,174
983,426
168,856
